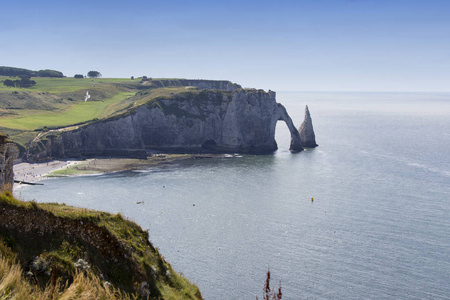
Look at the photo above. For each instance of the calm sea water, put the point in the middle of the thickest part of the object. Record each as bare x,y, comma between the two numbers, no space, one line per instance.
379,226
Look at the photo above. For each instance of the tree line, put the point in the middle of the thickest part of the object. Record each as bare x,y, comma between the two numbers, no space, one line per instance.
23,82
18,72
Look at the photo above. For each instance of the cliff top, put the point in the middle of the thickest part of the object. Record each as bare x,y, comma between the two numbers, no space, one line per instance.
48,239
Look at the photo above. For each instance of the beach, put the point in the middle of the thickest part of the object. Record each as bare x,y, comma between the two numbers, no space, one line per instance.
34,172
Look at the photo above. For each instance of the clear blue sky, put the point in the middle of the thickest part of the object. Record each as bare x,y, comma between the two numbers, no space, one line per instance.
305,45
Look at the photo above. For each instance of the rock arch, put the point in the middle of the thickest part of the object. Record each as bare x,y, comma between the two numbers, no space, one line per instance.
296,143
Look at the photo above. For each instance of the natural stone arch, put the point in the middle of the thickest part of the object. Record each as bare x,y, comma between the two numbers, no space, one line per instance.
296,142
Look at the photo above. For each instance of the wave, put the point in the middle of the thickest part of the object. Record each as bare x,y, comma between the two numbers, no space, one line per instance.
429,168
410,163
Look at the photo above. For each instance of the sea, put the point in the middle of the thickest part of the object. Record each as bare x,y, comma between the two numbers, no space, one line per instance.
366,215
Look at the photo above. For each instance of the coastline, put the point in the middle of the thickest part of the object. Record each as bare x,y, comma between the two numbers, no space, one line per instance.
35,172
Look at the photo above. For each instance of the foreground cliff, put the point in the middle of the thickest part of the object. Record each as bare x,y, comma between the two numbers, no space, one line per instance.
50,244
8,153
197,120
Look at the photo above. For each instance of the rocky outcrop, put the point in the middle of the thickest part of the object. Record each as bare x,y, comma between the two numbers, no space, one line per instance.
306,131
238,121
8,153
116,248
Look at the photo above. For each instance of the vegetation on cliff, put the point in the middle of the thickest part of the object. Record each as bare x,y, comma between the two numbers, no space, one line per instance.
60,252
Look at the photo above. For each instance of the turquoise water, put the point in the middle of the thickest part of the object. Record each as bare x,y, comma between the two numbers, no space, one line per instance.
379,226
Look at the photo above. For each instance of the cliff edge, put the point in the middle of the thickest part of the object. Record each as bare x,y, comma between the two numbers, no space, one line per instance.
53,244
8,153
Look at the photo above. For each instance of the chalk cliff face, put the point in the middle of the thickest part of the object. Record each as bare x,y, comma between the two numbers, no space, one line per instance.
224,85
238,121
306,131
8,153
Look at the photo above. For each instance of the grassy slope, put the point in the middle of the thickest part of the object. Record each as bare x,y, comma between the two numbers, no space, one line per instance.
60,250
77,113
73,112
61,85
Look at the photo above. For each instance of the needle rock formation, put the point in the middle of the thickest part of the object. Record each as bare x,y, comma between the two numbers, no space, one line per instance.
306,131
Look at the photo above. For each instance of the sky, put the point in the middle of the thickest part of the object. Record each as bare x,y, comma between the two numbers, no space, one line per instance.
285,45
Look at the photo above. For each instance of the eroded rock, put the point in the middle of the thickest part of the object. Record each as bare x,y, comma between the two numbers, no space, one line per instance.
307,136
8,153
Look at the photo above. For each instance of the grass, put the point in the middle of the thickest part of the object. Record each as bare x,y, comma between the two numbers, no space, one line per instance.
59,101
14,285
54,253
78,113
61,85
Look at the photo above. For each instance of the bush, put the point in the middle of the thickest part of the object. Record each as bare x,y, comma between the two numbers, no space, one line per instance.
268,293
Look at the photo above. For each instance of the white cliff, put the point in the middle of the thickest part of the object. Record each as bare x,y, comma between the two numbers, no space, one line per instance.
222,121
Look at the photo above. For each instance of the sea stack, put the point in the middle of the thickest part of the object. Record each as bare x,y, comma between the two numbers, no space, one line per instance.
307,132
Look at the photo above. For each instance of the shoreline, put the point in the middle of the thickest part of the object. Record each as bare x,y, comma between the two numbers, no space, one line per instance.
35,172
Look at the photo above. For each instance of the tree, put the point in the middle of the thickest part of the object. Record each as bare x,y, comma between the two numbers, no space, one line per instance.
9,83
24,82
13,72
94,74
17,72
49,73
78,76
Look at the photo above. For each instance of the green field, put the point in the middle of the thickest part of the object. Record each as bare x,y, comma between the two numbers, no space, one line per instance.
77,113
62,85
59,101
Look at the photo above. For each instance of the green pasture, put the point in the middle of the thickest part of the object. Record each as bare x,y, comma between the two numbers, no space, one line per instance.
62,85
77,113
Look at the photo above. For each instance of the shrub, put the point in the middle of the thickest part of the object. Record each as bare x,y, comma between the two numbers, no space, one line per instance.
270,294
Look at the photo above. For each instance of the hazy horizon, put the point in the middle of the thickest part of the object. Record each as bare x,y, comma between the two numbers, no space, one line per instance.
321,45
